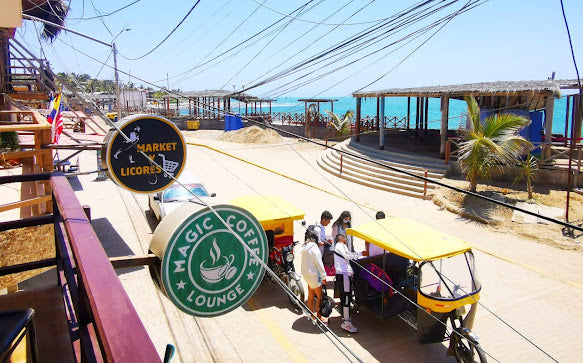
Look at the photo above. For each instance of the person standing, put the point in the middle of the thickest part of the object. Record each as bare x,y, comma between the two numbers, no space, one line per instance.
313,272
325,219
339,227
343,273
371,248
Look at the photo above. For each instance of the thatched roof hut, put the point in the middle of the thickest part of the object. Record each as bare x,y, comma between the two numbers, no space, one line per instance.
494,96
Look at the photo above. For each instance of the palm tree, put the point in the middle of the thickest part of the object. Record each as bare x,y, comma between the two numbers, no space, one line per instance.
341,125
528,170
491,143
54,11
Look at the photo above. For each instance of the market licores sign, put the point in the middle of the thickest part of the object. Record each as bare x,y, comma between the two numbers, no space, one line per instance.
150,139
206,270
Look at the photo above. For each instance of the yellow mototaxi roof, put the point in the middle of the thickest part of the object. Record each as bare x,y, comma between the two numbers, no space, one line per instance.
268,207
410,239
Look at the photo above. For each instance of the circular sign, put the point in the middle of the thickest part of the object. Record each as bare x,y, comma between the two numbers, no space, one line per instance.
206,270
156,137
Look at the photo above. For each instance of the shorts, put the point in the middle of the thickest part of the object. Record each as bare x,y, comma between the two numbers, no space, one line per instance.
314,281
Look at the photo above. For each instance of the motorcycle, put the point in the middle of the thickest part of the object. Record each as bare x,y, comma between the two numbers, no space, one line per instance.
277,217
281,261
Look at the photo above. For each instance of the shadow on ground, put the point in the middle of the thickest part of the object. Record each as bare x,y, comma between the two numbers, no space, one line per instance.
112,242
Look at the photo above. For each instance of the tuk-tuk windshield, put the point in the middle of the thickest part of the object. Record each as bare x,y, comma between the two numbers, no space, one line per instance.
450,278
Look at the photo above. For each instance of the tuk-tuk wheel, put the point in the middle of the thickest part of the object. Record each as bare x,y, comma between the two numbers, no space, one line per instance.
466,351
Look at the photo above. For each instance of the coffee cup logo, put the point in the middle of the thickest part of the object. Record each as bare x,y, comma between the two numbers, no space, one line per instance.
213,261
219,268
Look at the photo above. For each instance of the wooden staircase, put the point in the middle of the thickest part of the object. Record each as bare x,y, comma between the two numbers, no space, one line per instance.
360,164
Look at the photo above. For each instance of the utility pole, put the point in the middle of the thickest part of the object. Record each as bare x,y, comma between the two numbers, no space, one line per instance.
118,102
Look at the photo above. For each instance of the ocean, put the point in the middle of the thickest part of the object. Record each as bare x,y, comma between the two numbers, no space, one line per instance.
397,106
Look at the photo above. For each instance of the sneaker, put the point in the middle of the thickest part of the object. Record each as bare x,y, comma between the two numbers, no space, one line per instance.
324,321
347,325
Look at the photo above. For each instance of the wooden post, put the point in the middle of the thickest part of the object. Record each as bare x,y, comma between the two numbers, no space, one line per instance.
447,151
408,111
425,185
382,124
566,122
417,115
358,104
444,123
577,117
549,108
426,121
378,113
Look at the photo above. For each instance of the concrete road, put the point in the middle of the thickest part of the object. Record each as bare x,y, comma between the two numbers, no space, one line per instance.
530,291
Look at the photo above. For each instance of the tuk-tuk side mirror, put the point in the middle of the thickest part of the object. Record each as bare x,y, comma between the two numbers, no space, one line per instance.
213,195
157,197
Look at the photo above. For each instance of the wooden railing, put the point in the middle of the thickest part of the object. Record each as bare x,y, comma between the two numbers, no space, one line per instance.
103,323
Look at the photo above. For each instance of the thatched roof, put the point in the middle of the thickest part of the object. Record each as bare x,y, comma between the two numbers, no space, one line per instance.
317,100
501,88
220,93
569,83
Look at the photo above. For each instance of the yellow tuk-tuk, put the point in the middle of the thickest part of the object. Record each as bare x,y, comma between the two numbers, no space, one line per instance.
423,276
277,217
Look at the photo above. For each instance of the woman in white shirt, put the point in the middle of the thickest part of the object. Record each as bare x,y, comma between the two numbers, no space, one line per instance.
313,272
343,273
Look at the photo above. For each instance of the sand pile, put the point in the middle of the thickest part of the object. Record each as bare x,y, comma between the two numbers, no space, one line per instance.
252,135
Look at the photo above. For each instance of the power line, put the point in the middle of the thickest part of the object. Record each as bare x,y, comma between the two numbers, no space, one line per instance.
200,64
316,22
282,28
172,32
104,15
337,50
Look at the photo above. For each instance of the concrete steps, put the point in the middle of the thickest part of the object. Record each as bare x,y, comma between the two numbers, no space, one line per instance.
354,167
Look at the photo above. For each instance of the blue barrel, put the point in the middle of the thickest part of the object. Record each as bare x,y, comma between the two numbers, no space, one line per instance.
228,122
236,122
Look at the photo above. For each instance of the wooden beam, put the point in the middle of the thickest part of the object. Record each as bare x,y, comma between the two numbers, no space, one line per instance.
23,127
25,203
25,154
444,124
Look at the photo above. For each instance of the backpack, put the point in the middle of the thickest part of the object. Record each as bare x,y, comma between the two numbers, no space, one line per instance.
327,304
328,257
380,286
311,233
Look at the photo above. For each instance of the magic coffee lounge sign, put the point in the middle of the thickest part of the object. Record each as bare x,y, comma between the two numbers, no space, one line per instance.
147,157
210,259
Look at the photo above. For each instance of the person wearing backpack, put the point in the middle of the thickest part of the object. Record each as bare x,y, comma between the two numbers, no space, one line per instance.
313,272
320,229
343,273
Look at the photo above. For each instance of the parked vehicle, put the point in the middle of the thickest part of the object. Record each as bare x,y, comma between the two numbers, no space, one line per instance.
165,201
277,217
432,278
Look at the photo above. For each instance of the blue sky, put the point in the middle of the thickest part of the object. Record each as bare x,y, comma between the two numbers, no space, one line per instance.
498,40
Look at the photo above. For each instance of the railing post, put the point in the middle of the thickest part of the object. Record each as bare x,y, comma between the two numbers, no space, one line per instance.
447,151
425,185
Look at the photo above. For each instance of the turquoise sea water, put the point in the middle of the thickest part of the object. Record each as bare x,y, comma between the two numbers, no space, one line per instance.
397,106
